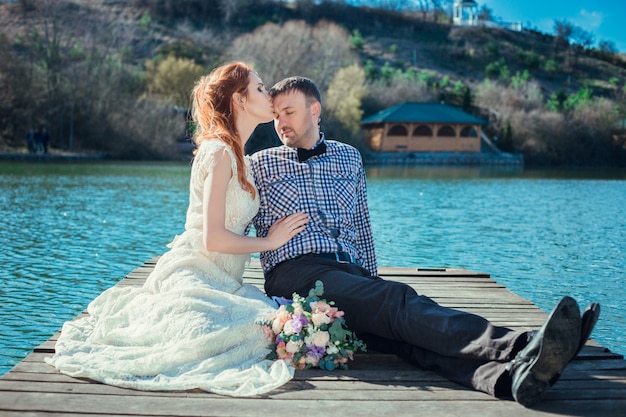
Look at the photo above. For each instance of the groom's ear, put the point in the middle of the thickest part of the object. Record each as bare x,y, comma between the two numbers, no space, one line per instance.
316,110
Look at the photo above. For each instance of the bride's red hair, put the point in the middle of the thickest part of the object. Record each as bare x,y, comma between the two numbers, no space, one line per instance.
213,111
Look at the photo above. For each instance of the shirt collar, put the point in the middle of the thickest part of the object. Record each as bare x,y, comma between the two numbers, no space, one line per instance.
318,149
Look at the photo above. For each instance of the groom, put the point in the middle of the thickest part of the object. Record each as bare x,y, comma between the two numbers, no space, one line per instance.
326,179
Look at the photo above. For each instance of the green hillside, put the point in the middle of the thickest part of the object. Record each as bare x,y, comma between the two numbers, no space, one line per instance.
114,76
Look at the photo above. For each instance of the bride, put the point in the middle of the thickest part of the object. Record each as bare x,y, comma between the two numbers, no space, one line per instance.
193,323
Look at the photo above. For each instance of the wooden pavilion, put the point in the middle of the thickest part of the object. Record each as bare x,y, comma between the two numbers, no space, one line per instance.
423,127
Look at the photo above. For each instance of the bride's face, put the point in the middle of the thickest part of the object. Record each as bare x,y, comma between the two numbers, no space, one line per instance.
258,103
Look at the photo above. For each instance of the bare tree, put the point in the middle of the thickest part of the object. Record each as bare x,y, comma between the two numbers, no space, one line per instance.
573,37
582,37
383,93
441,7
563,31
485,14
424,7
295,48
15,85
230,8
607,47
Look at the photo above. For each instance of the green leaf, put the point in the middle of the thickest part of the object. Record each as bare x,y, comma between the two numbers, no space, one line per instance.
336,331
318,290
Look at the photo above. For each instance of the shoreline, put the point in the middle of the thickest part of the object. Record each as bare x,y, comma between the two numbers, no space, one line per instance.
52,156
442,159
369,159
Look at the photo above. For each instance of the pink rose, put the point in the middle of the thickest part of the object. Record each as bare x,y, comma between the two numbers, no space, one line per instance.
281,351
323,307
269,334
301,364
279,321
282,314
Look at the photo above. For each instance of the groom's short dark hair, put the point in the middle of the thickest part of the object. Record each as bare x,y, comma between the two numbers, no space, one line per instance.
302,84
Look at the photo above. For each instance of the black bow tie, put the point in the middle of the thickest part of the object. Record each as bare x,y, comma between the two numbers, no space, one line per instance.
304,154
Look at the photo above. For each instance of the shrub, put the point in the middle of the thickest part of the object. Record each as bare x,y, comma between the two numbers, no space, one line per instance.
498,69
551,66
520,79
173,79
371,72
344,96
356,40
492,49
530,59
387,72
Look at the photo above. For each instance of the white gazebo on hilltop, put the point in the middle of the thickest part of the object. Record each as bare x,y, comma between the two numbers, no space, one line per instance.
465,12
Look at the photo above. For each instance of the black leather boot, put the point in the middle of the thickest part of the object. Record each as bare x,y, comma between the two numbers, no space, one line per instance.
545,356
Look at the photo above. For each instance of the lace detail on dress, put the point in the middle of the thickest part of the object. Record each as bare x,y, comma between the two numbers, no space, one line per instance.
192,324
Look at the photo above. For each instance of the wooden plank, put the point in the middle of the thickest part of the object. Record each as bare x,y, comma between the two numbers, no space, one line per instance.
418,403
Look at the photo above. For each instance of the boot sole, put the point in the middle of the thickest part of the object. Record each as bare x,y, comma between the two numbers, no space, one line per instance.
561,337
589,319
588,322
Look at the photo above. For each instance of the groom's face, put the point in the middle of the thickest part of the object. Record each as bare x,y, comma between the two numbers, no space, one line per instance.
295,120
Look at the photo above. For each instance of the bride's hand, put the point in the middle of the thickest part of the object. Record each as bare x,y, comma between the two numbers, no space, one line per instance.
284,229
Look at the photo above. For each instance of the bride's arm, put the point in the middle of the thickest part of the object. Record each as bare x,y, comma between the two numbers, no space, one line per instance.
219,239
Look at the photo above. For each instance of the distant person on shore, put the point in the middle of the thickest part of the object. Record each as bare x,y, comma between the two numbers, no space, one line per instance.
326,179
45,140
38,143
193,324
30,140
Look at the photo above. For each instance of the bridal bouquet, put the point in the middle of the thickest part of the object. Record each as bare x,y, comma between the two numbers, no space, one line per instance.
310,332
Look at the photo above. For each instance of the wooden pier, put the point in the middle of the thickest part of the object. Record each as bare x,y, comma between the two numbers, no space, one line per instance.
593,385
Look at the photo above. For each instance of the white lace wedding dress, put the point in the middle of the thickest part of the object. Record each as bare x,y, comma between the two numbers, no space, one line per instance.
192,324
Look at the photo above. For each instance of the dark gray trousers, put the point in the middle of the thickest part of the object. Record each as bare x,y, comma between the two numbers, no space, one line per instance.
392,318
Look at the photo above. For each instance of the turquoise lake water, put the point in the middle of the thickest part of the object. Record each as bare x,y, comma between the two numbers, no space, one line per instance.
69,231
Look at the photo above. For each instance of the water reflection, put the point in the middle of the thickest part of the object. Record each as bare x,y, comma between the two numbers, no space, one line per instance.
495,171
71,230
439,172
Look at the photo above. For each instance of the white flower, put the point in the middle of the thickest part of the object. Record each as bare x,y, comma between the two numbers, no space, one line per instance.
320,318
288,328
320,339
293,347
297,309
277,326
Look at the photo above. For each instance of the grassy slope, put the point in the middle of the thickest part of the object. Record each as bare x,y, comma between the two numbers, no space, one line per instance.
461,53
420,43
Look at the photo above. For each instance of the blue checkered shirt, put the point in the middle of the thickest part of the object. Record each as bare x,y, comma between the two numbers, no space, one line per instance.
330,188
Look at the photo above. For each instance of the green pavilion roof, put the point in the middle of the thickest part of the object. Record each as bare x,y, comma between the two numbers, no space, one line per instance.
412,112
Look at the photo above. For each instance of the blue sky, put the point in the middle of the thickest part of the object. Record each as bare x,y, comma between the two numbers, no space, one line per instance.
603,18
